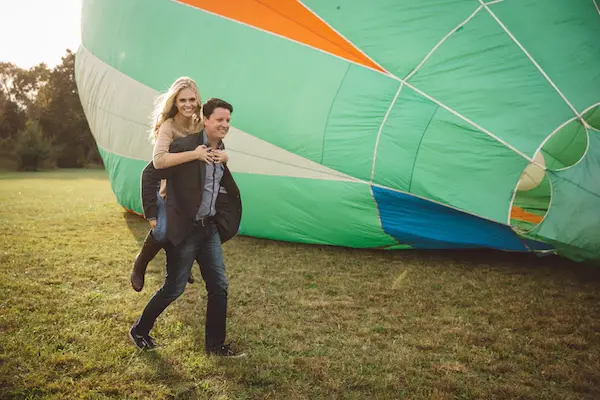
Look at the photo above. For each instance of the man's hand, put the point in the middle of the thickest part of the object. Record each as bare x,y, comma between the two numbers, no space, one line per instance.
152,223
220,156
204,153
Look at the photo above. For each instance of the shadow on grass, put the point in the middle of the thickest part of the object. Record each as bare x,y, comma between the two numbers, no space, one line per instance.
137,225
473,259
166,374
550,265
558,267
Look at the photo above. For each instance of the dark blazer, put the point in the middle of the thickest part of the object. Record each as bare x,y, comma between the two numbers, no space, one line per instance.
185,187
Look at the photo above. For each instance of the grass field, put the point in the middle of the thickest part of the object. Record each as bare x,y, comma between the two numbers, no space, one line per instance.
317,322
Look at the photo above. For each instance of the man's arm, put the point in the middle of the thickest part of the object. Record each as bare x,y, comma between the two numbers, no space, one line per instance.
150,183
152,176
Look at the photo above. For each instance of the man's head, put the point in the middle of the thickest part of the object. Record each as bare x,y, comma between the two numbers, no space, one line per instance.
217,114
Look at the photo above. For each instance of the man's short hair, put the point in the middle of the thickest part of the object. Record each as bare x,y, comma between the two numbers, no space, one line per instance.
214,103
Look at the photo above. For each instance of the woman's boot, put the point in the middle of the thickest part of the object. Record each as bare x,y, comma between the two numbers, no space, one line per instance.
149,250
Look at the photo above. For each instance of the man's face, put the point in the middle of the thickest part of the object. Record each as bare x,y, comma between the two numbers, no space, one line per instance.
217,125
186,102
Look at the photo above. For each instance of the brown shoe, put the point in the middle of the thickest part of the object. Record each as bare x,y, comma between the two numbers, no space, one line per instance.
149,250
191,278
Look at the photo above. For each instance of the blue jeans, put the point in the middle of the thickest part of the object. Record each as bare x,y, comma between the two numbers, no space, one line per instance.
204,245
159,233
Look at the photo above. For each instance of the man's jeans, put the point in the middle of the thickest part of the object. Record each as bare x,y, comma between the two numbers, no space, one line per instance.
204,245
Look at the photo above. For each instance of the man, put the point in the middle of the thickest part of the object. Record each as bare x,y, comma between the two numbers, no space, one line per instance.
203,210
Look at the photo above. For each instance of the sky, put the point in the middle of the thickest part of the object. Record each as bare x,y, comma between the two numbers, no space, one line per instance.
35,31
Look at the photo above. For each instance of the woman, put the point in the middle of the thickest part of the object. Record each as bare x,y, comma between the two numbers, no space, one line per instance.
177,114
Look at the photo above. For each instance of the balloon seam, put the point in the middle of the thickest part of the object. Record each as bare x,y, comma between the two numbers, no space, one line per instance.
385,73
412,172
541,146
343,37
330,111
457,114
414,71
540,69
387,114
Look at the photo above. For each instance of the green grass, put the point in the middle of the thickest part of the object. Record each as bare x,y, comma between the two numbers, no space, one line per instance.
317,322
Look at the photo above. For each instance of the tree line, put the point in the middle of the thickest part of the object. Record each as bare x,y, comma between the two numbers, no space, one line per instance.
42,123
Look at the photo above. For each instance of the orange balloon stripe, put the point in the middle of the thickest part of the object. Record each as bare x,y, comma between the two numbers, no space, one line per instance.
289,19
520,214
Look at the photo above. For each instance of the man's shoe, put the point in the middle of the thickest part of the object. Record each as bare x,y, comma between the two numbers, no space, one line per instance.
191,278
226,351
142,342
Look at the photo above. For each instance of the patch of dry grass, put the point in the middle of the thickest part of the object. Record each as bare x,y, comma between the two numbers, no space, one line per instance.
317,322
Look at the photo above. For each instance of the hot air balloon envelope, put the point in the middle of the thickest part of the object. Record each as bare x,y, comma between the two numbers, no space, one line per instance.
387,124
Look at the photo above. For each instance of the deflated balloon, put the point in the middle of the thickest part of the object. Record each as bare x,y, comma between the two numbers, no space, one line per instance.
374,124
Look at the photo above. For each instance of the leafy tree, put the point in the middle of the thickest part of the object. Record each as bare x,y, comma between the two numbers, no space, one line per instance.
49,97
12,117
62,117
8,72
31,148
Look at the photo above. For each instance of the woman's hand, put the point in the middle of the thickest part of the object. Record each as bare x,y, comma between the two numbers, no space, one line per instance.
204,153
220,156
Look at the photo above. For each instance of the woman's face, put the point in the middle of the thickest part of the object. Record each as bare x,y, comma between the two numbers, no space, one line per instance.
186,102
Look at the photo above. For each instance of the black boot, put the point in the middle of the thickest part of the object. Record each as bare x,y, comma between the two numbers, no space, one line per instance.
149,250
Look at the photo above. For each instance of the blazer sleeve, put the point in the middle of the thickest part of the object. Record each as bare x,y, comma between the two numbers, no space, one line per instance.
150,184
152,176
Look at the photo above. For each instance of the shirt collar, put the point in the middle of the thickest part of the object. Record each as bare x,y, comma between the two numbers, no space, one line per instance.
205,140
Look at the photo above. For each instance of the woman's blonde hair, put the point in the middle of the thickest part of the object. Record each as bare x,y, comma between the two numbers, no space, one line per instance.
164,106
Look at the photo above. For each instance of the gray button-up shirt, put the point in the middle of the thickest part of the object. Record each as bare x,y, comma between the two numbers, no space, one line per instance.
212,185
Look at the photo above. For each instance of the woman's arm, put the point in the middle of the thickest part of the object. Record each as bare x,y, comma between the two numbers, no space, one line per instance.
161,158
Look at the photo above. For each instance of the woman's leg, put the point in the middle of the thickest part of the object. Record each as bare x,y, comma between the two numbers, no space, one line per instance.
151,246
